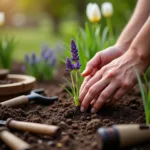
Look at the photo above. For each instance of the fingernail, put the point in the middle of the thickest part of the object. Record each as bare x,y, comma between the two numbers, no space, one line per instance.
93,110
82,109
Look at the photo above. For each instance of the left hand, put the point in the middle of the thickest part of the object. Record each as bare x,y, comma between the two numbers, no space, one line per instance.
112,81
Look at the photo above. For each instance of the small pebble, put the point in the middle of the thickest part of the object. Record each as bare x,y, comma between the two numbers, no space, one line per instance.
51,143
59,145
40,141
75,126
69,121
82,118
88,117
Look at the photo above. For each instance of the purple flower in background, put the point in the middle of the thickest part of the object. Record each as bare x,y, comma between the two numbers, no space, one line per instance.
26,58
74,51
69,65
47,53
33,59
53,62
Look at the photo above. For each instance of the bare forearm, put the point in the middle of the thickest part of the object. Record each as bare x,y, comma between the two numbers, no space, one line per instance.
139,17
141,44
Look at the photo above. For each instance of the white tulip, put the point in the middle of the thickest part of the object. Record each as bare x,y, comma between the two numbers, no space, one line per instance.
107,9
2,18
93,12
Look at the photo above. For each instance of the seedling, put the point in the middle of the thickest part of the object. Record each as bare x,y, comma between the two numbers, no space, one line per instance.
73,66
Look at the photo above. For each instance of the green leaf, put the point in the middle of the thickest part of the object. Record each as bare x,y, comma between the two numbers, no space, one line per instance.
67,91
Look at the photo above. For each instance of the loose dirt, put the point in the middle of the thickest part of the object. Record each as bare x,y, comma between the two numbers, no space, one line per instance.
78,129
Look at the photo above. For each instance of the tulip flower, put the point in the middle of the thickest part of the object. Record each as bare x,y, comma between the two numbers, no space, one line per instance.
2,18
93,12
107,9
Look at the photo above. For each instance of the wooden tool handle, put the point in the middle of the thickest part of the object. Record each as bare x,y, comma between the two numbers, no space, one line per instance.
35,127
13,141
21,100
120,136
133,134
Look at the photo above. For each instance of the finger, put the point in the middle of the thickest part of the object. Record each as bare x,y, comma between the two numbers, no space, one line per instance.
94,100
118,95
92,93
95,78
88,85
105,95
92,64
87,79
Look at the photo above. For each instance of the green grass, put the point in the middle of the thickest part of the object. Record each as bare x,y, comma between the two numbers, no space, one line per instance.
29,39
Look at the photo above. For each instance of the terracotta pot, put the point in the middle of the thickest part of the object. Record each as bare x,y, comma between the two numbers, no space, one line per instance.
22,84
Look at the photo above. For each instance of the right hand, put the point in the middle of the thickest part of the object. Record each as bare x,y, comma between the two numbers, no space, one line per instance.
101,59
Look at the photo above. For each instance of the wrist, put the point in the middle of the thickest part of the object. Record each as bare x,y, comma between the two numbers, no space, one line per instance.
123,46
142,57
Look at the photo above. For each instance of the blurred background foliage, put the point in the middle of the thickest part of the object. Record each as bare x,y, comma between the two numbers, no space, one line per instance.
34,22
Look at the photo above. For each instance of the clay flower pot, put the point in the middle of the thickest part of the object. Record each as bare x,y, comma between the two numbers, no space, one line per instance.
20,84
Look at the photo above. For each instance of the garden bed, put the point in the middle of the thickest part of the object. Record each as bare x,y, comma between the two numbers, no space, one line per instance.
78,130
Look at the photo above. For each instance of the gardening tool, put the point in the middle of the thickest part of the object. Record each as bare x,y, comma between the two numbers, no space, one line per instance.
32,127
13,141
33,96
119,136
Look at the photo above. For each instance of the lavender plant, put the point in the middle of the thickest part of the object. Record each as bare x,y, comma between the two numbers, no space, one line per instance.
42,67
7,46
73,66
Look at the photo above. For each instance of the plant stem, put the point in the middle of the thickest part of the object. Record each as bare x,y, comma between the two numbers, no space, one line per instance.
72,80
77,83
109,24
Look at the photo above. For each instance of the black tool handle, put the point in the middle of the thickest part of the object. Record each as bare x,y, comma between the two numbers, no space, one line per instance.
21,100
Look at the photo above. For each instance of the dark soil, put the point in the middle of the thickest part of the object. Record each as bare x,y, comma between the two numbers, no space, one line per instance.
6,81
78,129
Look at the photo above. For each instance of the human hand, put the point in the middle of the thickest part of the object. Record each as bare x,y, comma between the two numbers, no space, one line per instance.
112,81
100,59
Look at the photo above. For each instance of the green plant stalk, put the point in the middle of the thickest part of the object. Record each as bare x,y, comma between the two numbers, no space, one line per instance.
145,100
77,90
109,24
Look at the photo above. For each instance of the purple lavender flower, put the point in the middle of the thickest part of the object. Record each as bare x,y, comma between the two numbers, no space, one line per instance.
26,58
69,65
74,51
33,59
77,65
53,62
47,54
